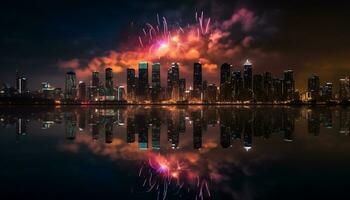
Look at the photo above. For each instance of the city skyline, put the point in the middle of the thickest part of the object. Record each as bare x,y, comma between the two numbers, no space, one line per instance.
174,99
144,85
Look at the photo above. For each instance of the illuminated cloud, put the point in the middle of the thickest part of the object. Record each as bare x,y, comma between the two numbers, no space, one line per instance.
205,40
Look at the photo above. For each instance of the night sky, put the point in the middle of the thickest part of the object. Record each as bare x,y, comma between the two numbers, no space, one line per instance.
45,39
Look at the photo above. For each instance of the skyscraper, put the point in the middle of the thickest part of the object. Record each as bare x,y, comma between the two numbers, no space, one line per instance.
314,87
156,85
173,82
288,85
258,87
268,87
327,92
237,85
225,82
121,93
21,83
93,90
197,80
248,75
95,79
143,84
344,89
211,93
131,84
82,91
109,82
70,86
182,89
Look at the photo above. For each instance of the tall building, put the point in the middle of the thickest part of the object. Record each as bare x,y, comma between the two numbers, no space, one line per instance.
82,91
21,83
248,75
268,87
277,85
225,83
258,87
95,79
237,85
314,87
131,84
288,85
197,81
182,89
143,83
156,84
169,88
93,89
211,93
173,82
327,92
121,93
344,89
70,86
109,82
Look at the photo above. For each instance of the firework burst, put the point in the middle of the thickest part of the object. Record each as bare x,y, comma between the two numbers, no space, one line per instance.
168,40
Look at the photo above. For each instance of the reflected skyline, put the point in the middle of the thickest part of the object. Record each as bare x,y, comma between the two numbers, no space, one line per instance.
147,124
186,152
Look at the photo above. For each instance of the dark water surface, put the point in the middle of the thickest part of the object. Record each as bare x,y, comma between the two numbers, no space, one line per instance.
193,152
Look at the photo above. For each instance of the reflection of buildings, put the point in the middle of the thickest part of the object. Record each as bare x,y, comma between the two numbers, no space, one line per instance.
142,130
197,129
70,125
235,124
21,126
344,122
313,122
130,130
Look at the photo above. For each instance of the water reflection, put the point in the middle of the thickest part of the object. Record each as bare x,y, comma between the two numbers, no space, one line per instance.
189,152
149,123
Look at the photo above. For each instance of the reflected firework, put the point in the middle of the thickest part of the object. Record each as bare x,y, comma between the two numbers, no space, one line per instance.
171,176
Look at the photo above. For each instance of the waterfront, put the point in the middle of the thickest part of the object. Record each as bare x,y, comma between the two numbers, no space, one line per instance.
174,152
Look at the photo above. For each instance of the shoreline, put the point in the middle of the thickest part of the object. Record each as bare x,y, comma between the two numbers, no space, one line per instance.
174,104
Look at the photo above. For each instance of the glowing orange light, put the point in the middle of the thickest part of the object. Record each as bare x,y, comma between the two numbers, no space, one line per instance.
175,174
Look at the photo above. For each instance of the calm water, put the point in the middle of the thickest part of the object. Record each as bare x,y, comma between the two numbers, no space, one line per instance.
194,152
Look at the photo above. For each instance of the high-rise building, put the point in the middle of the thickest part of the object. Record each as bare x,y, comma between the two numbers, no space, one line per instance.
344,89
21,83
109,83
258,87
169,87
121,93
95,79
225,82
156,85
182,89
288,85
211,93
248,75
197,129
237,85
131,84
143,83
277,85
268,87
70,86
173,82
82,91
314,87
197,81
327,92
